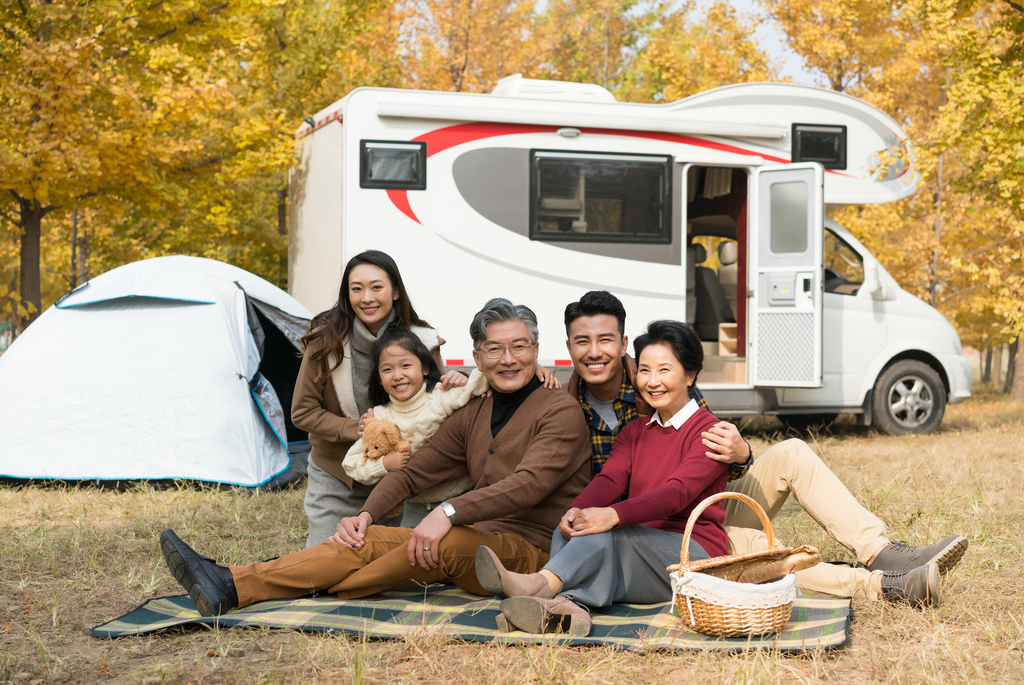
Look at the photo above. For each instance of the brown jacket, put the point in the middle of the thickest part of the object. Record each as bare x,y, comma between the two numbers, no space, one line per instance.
316,410
526,478
642,408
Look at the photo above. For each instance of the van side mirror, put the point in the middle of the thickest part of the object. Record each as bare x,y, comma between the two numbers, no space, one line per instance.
872,281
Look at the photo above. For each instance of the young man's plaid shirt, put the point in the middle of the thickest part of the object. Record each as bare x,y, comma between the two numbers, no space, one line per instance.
602,437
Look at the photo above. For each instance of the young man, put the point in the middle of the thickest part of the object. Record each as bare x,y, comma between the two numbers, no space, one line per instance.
527,452
602,382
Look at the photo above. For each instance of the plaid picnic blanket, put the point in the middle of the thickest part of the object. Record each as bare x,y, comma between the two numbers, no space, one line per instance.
816,623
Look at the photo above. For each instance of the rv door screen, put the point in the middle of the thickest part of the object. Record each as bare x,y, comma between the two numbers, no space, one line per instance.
786,258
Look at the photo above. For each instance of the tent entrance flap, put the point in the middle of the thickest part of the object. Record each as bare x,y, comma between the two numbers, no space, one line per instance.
279,364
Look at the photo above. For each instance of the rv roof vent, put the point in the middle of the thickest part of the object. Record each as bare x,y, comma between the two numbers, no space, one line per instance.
516,86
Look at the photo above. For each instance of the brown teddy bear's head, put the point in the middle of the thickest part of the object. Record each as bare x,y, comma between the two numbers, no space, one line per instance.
379,438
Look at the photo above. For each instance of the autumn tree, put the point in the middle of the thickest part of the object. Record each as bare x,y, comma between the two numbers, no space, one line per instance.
688,52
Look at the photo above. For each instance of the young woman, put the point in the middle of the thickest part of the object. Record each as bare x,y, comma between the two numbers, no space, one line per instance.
609,551
405,385
332,389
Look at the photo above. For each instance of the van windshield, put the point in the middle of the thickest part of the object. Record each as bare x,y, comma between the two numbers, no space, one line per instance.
844,268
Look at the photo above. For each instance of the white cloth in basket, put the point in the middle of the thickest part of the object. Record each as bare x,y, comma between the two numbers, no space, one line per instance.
732,594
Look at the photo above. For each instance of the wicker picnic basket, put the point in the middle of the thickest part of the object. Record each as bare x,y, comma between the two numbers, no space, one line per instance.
708,596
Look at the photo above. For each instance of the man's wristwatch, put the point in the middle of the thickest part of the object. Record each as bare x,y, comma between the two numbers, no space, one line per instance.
449,511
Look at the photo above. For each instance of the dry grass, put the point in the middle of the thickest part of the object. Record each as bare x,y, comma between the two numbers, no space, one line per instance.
72,558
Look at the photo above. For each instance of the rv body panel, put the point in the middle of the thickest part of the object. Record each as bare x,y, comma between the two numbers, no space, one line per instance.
476,228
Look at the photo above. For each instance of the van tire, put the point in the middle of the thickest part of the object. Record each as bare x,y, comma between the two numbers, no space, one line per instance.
909,397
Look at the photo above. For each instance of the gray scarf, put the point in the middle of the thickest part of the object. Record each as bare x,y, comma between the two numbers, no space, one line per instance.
362,363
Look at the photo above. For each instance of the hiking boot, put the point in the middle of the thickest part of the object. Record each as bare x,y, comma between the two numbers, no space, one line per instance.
536,615
919,586
502,583
897,556
209,586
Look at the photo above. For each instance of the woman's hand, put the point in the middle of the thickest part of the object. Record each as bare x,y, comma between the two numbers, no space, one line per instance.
363,419
726,444
565,526
594,520
547,377
352,530
393,461
453,379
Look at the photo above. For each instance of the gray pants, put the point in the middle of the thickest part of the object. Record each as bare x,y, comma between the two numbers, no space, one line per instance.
622,565
328,500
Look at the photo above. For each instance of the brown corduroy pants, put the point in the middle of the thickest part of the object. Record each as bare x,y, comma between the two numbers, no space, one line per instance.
381,564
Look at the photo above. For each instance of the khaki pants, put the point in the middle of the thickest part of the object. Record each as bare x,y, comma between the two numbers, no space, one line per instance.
792,467
381,564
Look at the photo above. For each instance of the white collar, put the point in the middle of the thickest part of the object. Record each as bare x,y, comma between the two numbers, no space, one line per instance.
681,417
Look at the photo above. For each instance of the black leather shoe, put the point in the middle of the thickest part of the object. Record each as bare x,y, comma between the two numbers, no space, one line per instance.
897,556
208,585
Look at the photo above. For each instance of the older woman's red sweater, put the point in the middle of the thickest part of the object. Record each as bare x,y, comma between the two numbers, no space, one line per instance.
665,474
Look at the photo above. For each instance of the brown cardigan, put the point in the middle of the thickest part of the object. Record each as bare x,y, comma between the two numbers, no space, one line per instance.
526,478
642,408
315,409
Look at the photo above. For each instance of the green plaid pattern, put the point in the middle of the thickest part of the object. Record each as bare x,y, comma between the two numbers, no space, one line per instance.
815,623
602,437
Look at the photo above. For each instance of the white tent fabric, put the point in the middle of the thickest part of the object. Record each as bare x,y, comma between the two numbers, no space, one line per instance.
150,371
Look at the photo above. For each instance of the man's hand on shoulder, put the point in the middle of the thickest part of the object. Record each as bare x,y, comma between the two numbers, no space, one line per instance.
426,538
725,444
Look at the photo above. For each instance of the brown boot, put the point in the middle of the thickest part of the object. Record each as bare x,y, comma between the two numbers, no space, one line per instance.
535,615
501,583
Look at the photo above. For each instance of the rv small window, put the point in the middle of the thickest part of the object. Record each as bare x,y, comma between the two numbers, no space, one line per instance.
844,267
823,144
392,165
599,197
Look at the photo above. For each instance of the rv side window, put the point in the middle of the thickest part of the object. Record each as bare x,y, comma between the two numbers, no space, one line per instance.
823,144
392,165
844,267
600,197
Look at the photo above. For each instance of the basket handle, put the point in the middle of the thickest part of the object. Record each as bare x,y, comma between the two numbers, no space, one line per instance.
684,553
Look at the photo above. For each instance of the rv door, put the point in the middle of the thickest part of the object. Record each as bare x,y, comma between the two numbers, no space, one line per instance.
786,257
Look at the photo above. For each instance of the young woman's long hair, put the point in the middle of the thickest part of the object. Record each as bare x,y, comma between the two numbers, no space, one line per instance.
397,334
334,325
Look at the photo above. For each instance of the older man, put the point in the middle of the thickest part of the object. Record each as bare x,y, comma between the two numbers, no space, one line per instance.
528,453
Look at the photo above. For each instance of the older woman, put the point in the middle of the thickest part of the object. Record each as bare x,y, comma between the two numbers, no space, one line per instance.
607,550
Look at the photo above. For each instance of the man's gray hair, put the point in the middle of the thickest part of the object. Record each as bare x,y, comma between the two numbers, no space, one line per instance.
500,310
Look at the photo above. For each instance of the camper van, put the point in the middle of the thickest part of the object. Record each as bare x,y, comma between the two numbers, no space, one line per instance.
711,210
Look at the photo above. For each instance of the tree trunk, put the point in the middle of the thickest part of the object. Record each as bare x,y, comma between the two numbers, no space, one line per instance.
986,367
73,274
83,257
1011,365
31,229
997,366
282,229
1017,385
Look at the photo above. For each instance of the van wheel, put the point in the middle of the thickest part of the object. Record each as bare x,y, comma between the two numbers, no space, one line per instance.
800,423
909,398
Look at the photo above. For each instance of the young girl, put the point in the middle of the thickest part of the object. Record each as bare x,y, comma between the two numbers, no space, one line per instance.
405,385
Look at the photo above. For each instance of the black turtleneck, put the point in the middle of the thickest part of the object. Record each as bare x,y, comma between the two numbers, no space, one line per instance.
506,403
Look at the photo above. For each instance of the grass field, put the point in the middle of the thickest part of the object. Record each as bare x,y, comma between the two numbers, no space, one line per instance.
71,558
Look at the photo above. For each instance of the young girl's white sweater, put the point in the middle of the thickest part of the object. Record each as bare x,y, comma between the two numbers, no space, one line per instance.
417,418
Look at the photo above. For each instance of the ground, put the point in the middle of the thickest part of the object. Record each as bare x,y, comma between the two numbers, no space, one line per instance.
71,558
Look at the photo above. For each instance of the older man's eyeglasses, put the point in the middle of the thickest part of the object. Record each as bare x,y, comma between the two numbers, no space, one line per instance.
495,351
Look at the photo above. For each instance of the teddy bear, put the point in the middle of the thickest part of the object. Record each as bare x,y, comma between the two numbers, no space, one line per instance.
381,437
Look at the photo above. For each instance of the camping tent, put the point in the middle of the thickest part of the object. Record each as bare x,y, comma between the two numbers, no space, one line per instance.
167,368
